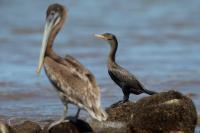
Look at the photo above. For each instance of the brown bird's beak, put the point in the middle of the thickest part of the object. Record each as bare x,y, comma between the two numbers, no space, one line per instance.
51,21
99,36
44,46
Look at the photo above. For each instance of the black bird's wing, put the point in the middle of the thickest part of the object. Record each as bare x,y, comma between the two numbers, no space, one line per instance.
125,79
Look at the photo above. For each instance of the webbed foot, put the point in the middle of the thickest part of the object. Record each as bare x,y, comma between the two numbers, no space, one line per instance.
118,103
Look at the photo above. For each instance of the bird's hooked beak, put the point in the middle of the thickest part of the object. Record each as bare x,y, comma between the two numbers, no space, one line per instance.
51,21
99,36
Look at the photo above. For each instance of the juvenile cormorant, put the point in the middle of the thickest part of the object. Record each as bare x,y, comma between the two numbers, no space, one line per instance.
74,83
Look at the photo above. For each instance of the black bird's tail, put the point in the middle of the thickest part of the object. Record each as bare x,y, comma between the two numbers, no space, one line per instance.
149,92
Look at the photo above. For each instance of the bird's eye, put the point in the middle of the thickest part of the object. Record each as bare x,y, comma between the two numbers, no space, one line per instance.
52,13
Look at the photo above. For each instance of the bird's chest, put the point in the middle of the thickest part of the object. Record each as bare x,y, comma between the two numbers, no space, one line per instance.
53,78
54,74
118,80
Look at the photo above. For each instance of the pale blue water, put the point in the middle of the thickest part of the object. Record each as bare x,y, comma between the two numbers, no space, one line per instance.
158,41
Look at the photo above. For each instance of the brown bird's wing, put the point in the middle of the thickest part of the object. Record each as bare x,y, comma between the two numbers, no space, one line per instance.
73,61
76,64
73,81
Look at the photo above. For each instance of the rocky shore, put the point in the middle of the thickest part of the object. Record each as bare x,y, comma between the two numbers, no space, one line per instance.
166,112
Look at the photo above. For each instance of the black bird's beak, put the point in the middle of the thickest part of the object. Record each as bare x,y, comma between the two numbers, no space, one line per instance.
99,36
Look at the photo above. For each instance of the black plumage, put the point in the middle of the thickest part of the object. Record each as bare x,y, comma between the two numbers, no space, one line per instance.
123,78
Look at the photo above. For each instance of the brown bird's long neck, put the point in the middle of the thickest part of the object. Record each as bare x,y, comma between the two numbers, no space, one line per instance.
50,52
114,45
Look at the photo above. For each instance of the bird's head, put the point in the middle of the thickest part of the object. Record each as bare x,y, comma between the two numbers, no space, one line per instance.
105,36
110,38
55,16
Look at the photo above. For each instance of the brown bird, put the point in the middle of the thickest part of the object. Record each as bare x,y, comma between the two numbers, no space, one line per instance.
74,83
124,79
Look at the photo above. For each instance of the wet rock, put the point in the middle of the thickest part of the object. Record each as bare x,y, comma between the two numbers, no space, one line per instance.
164,112
5,128
108,126
121,112
78,126
28,127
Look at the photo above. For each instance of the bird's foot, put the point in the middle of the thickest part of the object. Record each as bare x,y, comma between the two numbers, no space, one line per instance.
118,103
56,123
74,119
71,119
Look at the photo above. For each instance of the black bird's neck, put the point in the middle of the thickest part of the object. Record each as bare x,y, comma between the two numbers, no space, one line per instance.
112,54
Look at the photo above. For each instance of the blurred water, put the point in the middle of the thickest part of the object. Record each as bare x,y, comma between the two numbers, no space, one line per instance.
158,42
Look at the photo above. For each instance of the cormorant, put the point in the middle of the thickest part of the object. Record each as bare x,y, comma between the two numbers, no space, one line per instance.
123,78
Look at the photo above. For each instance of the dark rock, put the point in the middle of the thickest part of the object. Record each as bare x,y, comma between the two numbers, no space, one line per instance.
163,112
5,128
65,127
78,126
82,126
28,127
121,113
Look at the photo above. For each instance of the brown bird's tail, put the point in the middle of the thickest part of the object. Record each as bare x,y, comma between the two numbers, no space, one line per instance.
98,114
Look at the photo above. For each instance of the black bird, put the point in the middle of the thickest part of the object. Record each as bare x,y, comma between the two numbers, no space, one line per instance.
124,79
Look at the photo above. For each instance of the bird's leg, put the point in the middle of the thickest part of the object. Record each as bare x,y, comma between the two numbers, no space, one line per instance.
125,99
62,119
75,118
77,114
64,116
